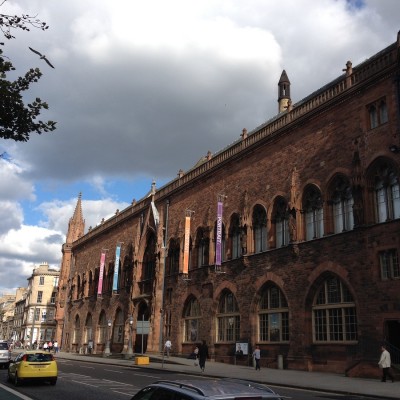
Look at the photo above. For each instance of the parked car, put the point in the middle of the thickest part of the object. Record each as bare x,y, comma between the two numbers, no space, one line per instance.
33,365
5,354
206,389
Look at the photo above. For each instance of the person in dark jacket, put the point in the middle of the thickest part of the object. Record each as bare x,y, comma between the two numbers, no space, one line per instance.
203,355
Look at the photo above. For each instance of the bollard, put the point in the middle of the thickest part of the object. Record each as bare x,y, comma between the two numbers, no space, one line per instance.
280,361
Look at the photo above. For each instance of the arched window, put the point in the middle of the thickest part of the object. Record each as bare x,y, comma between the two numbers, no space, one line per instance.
334,313
102,334
202,247
127,269
273,315
342,204
91,284
110,277
118,327
373,117
313,213
383,112
259,229
228,318
149,259
77,330
88,329
235,236
387,197
96,281
173,257
280,220
378,113
192,319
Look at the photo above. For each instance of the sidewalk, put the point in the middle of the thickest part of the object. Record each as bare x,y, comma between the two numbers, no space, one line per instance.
318,381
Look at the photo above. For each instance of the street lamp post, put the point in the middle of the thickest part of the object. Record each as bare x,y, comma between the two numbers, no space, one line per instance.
129,353
107,349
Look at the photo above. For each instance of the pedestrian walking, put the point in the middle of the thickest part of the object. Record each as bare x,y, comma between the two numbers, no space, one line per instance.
45,346
257,356
55,346
203,355
167,347
385,363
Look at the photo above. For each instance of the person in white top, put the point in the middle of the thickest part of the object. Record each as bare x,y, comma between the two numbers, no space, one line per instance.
385,363
168,346
257,356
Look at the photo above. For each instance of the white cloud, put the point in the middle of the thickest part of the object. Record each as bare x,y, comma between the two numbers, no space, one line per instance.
142,89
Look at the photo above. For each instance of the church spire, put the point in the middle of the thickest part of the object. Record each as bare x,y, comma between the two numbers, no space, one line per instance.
76,225
284,92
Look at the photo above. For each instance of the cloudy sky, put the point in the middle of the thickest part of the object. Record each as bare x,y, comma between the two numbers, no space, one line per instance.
141,89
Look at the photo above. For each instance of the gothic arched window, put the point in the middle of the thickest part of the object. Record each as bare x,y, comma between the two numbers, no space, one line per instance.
173,257
88,336
334,313
259,229
313,213
280,221
192,317
342,204
235,236
202,247
228,318
273,315
387,198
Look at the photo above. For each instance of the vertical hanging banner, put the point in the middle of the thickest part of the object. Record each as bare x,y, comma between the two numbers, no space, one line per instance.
156,215
186,244
116,267
101,273
218,242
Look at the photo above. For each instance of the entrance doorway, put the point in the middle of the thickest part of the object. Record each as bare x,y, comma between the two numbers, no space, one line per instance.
141,324
392,332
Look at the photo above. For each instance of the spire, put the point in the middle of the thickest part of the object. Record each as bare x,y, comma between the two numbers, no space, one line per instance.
283,92
76,225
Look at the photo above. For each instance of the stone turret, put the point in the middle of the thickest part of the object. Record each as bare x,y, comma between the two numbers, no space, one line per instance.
284,99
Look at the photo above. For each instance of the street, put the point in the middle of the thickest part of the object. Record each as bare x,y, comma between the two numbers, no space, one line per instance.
90,381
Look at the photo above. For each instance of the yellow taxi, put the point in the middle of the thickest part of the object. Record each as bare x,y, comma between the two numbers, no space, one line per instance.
33,365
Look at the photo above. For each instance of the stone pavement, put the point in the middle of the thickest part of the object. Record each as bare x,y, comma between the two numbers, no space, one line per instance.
324,382
319,381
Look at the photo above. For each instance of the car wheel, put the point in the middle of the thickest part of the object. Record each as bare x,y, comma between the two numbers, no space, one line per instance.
53,381
16,380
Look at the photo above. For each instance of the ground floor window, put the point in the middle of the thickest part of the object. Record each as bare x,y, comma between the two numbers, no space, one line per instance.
192,317
228,318
334,313
273,317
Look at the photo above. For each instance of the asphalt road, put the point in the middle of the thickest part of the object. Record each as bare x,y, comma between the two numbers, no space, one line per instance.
89,381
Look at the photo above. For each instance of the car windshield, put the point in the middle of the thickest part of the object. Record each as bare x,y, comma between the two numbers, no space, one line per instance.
39,357
3,346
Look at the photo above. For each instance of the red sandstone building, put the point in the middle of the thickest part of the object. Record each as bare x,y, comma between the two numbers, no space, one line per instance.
288,238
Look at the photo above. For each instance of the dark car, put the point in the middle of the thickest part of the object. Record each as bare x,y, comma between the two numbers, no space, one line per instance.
205,389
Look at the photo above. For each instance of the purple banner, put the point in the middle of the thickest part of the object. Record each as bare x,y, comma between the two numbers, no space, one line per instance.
218,242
